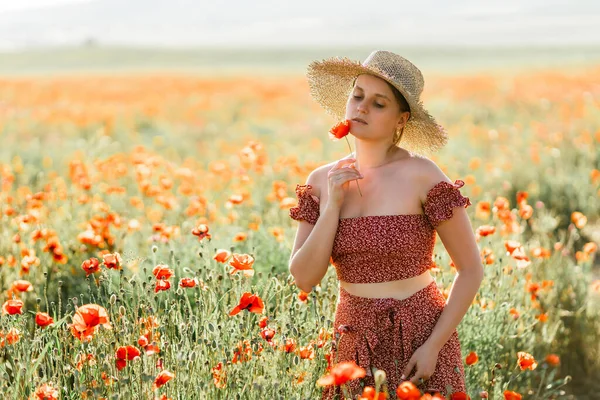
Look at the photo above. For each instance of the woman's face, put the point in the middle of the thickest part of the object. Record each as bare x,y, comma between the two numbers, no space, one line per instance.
373,101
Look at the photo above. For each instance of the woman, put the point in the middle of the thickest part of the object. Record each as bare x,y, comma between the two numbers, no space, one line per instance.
390,314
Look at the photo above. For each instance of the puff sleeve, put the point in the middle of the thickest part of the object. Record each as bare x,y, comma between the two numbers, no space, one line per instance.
308,205
441,200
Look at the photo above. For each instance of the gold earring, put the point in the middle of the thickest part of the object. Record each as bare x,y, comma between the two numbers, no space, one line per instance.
397,134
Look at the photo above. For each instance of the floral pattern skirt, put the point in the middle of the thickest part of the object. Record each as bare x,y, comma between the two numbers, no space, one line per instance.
383,333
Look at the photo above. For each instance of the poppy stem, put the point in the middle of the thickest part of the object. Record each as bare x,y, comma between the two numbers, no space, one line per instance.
346,137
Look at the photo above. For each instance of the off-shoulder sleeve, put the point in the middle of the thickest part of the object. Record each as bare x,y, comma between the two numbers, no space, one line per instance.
308,205
441,200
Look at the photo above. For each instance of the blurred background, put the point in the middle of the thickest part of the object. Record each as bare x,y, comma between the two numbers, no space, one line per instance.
46,35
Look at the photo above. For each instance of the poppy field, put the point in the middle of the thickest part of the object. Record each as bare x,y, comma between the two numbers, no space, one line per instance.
145,236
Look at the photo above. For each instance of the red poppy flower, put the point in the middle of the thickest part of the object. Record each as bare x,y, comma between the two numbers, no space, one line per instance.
460,396
127,352
187,282
12,307
120,364
201,231
242,262
553,359
339,130
251,302
510,395
86,319
222,255
162,271
112,261
43,319
526,361
408,391
22,285
472,358
162,285
162,378
342,373
46,392
263,321
267,333
11,337
90,266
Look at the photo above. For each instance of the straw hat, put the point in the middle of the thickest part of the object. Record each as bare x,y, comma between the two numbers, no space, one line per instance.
331,80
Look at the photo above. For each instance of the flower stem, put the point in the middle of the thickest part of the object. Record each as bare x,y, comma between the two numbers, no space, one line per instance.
346,137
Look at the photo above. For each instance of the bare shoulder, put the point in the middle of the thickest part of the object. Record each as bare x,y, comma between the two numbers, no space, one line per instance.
426,174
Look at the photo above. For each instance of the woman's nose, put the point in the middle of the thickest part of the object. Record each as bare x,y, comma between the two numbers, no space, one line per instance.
361,107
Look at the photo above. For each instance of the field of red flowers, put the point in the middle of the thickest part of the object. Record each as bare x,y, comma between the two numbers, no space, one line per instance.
145,236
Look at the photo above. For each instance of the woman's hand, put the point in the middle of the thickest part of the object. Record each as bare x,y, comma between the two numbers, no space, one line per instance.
339,178
425,359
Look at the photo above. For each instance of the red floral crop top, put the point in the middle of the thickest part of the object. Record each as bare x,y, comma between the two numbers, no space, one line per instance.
382,248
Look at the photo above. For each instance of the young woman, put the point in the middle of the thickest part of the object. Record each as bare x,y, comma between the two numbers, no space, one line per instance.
390,314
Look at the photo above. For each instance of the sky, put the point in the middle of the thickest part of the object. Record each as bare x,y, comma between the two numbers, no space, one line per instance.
271,23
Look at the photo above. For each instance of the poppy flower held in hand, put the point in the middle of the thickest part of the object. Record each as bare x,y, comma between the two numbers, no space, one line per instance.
341,130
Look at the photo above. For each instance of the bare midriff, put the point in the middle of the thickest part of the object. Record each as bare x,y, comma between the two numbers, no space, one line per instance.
400,289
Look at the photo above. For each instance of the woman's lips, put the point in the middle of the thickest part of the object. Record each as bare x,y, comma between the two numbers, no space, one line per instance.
359,122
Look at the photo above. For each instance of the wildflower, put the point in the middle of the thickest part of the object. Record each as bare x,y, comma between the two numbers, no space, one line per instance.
86,319
369,393
222,255
21,285
187,282
267,333
307,352
162,378
90,266
408,391
262,323
526,361
127,352
485,230
510,395
112,261
248,301
342,373
46,392
553,359
43,319
578,219
124,354
218,374
161,285
303,296
472,358
162,271
201,231
289,345
242,262
12,307
11,337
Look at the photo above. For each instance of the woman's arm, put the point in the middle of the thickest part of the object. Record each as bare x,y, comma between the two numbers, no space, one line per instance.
313,243
457,236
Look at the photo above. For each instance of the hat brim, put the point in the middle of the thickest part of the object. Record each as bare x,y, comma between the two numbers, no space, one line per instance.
330,82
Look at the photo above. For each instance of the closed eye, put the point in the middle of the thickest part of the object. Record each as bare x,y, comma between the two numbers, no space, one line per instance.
376,104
